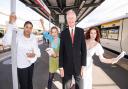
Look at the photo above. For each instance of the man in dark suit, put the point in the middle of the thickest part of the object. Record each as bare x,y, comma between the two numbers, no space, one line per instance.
72,55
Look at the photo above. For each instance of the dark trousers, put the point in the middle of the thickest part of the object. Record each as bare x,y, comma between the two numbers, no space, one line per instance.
67,80
25,77
51,76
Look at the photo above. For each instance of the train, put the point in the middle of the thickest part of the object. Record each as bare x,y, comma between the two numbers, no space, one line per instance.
114,35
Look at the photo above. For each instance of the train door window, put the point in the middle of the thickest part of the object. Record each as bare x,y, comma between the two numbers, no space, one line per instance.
110,33
113,33
104,33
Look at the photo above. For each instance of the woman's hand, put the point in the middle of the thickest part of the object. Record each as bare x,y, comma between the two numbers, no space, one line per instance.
115,60
121,55
12,18
54,55
30,55
42,21
82,71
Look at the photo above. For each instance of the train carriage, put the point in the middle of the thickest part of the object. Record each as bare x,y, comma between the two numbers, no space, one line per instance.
114,35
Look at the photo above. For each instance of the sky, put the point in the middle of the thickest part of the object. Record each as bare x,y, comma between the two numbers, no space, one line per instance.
108,10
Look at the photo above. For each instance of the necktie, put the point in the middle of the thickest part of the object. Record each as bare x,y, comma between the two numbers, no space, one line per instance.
72,36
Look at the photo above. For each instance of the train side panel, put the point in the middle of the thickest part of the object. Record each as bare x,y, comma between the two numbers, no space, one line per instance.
124,40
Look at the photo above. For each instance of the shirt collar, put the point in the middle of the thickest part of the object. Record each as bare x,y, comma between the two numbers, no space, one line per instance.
70,29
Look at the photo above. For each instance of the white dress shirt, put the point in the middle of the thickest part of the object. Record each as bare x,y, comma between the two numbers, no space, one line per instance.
24,45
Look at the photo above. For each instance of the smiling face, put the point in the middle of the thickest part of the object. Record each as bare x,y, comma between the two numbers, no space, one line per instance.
93,34
54,32
28,28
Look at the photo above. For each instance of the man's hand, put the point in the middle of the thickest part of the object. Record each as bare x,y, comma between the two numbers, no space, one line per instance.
82,70
61,72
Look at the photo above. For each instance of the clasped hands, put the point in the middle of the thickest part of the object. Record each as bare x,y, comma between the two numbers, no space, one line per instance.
30,54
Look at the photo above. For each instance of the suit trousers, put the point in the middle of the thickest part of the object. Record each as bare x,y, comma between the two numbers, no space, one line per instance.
67,80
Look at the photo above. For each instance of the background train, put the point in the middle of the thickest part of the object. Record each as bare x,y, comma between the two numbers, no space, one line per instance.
114,35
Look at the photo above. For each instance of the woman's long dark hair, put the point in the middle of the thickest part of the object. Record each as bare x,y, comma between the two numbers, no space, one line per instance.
87,35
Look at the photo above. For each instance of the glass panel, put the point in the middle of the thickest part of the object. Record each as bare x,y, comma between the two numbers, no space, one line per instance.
113,34
104,34
110,33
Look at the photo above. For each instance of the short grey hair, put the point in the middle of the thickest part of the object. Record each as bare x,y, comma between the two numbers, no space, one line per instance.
70,11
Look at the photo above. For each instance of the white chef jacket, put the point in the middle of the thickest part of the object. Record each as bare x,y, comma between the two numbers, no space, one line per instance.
24,45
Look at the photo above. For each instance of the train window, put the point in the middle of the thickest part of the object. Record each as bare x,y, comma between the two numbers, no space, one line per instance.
104,34
113,34
110,33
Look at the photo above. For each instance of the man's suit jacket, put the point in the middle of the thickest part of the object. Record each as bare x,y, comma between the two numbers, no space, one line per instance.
72,57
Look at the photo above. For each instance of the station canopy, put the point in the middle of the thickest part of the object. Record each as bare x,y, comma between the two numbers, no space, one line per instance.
56,8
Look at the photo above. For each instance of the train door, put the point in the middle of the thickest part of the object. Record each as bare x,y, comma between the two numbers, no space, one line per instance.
124,35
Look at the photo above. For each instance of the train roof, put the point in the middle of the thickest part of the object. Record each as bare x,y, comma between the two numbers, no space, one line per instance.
110,20
117,18
54,8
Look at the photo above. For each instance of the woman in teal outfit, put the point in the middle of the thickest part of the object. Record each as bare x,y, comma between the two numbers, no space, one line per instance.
54,40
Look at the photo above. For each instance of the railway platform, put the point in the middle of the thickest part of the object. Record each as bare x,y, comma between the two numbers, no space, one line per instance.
105,76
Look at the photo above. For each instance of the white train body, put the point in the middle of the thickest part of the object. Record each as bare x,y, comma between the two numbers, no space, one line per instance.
115,35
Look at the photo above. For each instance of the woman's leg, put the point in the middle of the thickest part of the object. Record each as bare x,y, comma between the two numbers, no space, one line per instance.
88,78
30,77
23,78
51,76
